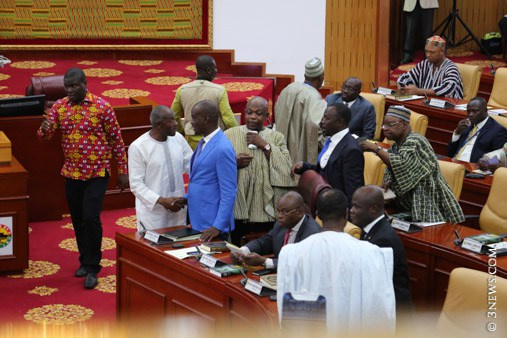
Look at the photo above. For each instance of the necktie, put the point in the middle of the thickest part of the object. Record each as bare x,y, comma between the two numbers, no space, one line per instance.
326,145
286,237
471,135
197,152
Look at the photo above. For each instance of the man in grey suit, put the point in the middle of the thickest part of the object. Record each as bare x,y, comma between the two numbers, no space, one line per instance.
292,226
363,120
419,18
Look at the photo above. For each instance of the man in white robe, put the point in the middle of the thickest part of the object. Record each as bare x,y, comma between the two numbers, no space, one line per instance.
354,276
157,161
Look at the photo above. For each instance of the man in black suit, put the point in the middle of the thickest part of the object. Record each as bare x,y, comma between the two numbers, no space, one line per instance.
476,135
367,212
292,226
341,160
363,120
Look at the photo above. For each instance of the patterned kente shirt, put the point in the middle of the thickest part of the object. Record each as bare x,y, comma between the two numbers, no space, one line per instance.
444,80
90,135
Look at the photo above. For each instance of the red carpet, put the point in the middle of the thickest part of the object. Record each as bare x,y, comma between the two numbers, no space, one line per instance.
458,56
49,291
117,80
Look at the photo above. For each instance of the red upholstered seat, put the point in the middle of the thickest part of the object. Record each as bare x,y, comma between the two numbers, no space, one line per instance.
51,86
311,183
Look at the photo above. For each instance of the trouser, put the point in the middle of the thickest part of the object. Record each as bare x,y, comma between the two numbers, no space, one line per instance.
85,204
419,20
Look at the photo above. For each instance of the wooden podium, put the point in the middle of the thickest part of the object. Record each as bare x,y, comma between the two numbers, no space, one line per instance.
13,217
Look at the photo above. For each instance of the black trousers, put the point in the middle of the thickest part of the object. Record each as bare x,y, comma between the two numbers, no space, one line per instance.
85,204
419,21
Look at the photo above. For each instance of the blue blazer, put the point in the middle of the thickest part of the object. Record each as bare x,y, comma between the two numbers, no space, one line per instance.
212,187
364,118
492,136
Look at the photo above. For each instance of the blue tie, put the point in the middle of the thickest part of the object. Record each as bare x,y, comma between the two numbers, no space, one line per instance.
326,145
198,151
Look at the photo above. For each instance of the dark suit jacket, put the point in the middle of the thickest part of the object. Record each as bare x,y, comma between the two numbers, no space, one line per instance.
363,120
492,136
383,235
272,242
345,168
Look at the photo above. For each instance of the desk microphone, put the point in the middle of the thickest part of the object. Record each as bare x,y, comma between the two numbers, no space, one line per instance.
143,232
375,88
427,100
245,278
493,70
458,239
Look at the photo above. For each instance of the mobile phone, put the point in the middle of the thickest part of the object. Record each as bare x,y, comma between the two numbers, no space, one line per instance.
474,175
262,272
272,298
177,245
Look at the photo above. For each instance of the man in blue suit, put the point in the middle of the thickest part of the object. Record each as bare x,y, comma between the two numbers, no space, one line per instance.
363,121
212,186
476,135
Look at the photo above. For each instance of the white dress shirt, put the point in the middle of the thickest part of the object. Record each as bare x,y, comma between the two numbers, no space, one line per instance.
335,139
208,138
367,228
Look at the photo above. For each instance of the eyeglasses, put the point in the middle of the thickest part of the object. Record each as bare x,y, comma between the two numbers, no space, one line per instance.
284,212
389,125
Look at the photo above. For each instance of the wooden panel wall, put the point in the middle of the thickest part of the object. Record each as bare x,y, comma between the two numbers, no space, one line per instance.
354,44
481,16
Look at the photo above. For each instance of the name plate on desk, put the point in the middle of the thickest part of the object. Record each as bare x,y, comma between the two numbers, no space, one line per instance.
152,236
440,103
384,91
404,226
472,245
253,286
209,261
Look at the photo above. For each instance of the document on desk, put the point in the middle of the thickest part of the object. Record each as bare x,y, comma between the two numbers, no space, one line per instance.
426,224
499,111
405,97
181,253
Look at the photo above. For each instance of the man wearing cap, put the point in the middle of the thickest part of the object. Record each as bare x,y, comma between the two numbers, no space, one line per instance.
363,120
413,172
298,112
419,15
477,134
434,76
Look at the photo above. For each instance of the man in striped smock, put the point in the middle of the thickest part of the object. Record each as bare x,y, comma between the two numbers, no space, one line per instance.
264,164
436,75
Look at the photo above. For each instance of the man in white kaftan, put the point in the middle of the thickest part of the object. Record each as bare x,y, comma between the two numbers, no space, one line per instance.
157,160
354,276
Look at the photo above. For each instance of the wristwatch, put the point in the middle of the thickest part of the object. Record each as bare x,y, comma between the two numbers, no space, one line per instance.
267,147
379,148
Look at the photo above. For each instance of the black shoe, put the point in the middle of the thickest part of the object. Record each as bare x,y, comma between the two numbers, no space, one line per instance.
407,59
91,281
81,272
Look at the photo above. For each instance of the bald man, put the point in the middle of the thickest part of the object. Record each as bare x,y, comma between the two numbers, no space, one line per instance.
292,226
367,212
263,170
363,121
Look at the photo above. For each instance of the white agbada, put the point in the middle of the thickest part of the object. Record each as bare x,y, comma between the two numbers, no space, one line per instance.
355,277
153,167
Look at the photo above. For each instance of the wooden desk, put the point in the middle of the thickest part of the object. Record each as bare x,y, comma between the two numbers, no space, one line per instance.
13,204
432,255
153,284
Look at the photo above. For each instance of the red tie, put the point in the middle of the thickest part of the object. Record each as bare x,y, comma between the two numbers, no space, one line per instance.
286,237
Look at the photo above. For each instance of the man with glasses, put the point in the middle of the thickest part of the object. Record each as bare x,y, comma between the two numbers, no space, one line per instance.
292,226
363,121
434,76
413,172
201,89
264,164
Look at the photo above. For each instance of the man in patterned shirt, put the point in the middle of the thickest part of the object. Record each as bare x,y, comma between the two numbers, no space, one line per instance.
90,136
436,75
413,172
